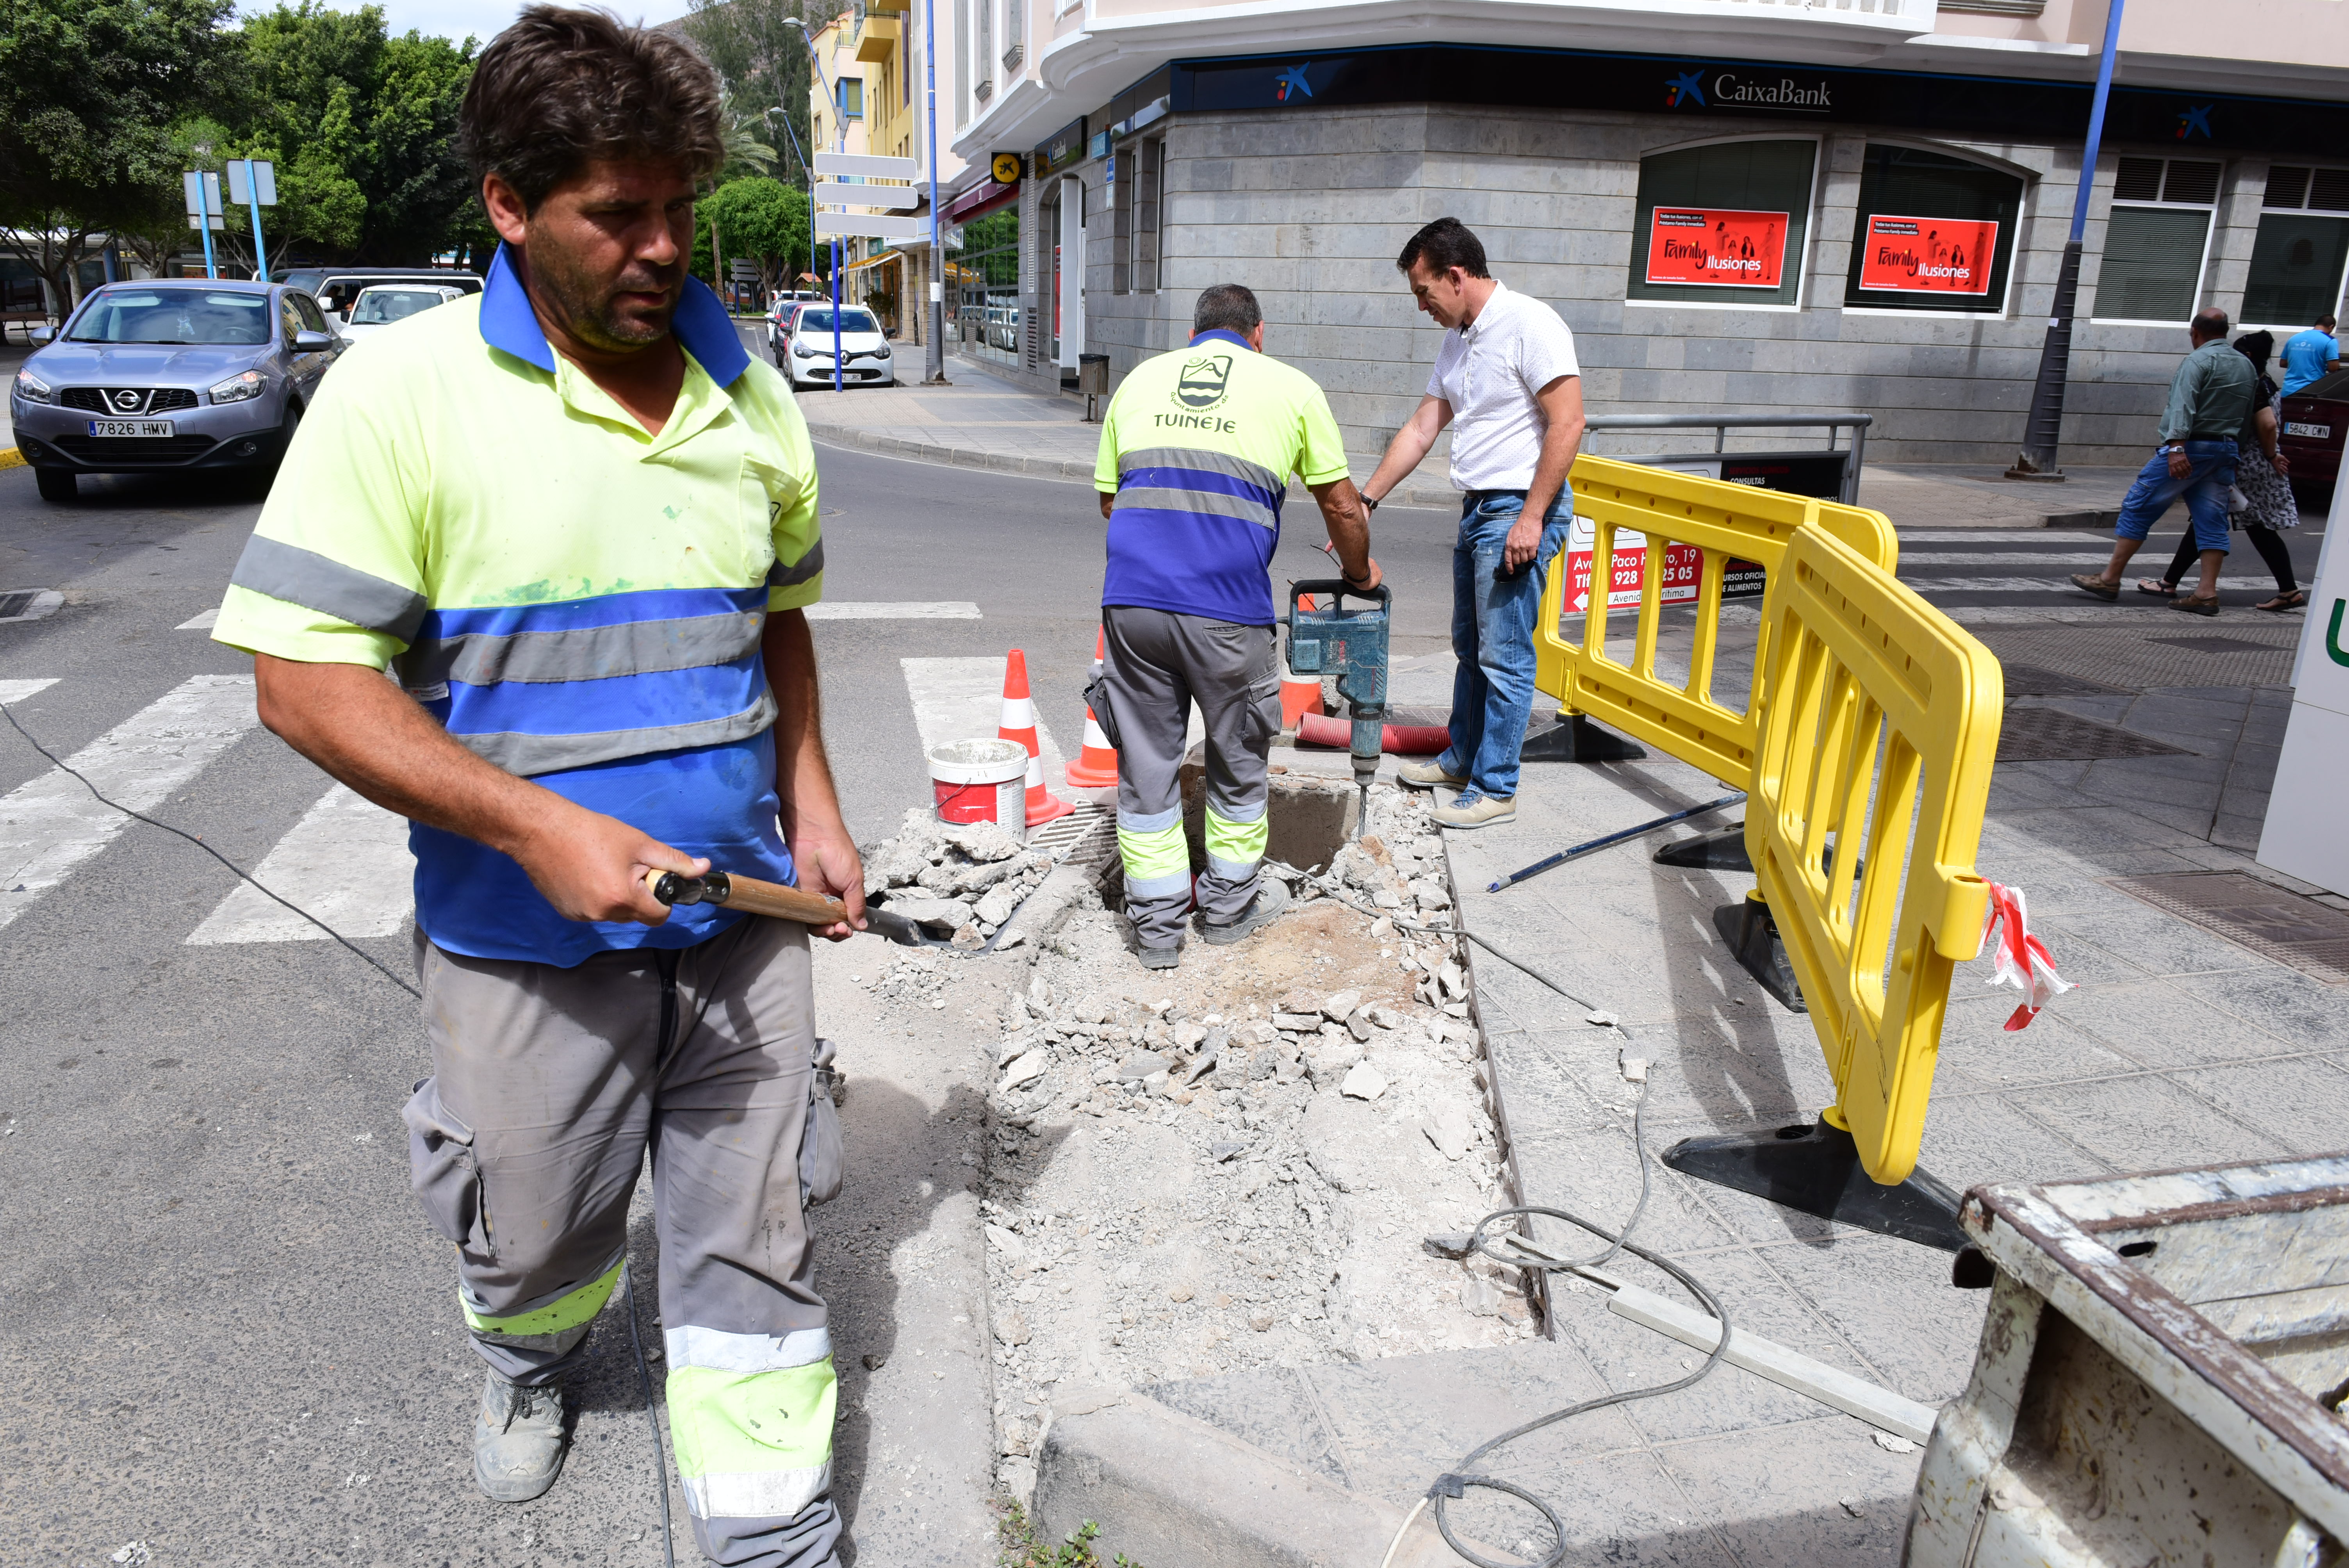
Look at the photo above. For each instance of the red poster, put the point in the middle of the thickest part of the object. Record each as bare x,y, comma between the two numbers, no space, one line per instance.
1715,246
1929,255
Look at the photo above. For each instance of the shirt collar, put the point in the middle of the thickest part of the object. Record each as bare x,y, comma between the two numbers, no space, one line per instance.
1219,334
1499,288
700,324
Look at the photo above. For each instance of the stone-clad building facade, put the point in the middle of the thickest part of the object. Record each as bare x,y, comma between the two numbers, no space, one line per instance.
1300,174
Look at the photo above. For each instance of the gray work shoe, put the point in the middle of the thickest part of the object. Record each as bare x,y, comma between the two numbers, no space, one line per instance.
1271,901
1426,775
1160,957
518,1439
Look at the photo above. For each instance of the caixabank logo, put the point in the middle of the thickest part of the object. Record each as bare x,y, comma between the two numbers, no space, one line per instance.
1704,88
1292,83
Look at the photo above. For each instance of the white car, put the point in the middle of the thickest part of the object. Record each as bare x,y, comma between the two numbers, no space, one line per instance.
864,356
380,305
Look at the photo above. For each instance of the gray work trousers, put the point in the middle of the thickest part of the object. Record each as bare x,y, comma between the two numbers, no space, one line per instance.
547,1087
1158,664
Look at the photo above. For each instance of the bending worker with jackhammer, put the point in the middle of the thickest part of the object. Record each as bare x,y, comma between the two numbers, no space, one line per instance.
579,523
1196,451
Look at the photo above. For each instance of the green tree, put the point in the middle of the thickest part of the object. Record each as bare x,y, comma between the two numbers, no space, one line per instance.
362,129
760,218
764,61
89,90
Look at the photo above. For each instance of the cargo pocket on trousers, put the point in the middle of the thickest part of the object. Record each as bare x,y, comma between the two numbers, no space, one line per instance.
443,1169
820,1157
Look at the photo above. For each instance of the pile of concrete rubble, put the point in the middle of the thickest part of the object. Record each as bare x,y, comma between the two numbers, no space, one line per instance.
954,879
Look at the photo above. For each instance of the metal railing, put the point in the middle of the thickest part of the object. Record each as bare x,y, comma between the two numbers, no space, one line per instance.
1722,424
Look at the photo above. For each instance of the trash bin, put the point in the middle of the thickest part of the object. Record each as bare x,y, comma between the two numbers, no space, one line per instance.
2159,1379
1093,380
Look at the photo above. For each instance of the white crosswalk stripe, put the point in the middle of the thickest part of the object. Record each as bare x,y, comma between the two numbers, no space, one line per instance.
962,699
2049,584
346,861
909,610
201,621
50,824
17,691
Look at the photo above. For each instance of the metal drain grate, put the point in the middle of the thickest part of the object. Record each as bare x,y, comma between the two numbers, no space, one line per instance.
14,605
1086,837
2216,645
2038,680
2051,735
2297,931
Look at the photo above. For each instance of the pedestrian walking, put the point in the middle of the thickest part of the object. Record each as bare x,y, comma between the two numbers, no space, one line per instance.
579,524
1197,449
2210,402
1508,386
2310,355
2262,480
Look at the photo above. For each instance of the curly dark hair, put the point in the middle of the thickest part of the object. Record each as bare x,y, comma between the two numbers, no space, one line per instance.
563,86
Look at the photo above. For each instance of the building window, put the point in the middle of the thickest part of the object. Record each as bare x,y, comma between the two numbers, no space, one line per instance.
1723,223
2158,241
2301,253
1149,185
1932,232
851,98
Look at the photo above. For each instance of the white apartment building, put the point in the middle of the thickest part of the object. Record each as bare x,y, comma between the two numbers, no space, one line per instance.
1159,146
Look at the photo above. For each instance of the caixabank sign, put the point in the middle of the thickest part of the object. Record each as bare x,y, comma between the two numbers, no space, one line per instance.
1749,90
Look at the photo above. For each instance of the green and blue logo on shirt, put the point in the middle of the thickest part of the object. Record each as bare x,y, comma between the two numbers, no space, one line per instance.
1204,382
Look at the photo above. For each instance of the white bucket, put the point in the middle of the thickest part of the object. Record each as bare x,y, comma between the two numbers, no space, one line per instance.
982,781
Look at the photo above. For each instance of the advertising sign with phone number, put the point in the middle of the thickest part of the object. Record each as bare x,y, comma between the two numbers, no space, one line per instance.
1683,571
1928,256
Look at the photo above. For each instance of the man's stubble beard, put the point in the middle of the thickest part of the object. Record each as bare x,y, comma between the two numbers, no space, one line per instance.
585,303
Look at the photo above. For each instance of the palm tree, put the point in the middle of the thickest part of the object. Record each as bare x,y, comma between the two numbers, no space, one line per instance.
747,153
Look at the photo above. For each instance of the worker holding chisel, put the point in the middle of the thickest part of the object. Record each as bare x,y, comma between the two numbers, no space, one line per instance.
577,521
1196,451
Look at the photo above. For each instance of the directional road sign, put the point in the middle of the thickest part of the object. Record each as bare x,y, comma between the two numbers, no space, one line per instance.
848,225
207,202
863,167
253,182
897,197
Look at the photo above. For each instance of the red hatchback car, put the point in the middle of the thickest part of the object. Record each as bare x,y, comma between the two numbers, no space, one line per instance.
2315,424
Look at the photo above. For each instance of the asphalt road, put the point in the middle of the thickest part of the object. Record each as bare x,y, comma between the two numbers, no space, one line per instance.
230,1335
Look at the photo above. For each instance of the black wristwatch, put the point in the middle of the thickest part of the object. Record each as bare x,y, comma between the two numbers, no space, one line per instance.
1370,505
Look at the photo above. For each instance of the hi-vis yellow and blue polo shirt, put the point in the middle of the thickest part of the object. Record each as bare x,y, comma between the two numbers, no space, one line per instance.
579,602
1198,445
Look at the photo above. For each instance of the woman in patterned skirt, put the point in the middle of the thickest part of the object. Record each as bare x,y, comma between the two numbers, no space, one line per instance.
2261,475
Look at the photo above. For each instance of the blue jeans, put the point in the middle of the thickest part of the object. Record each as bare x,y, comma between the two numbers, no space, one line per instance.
1493,615
2204,487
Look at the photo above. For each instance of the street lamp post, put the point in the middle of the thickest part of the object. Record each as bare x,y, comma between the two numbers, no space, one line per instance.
807,173
2037,460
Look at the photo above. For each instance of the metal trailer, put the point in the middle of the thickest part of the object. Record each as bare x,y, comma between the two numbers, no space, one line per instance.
2160,1376
1832,474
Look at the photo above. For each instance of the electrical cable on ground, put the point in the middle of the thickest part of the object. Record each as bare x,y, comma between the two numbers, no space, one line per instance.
644,1373
1454,1484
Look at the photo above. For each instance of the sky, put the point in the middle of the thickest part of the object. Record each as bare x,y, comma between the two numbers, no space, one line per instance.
485,18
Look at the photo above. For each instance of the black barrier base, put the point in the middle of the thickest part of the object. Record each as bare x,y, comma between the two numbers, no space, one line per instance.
1815,1169
1579,740
1721,851
1752,936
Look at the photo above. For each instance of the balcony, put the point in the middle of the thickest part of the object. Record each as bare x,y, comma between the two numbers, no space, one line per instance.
877,38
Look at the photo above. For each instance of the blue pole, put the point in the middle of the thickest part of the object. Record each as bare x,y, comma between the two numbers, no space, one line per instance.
2042,430
260,246
934,364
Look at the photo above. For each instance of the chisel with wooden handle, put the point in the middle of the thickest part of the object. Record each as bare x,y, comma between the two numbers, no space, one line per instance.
778,901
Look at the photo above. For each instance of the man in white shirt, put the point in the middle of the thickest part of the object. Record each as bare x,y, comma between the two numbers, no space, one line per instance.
1508,384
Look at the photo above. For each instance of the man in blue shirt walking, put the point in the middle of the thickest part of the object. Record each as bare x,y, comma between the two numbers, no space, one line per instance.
2311,354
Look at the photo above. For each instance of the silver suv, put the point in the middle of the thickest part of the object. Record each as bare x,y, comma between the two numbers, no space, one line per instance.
171,373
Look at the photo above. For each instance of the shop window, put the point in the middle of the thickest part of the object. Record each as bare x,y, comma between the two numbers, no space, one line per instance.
1723,223
1135,184
2157,240
2301,253
1932,232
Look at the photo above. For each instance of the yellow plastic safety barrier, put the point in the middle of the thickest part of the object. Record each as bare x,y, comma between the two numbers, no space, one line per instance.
1725,521
1879,727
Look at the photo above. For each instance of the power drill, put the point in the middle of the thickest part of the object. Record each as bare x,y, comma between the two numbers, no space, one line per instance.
1352,645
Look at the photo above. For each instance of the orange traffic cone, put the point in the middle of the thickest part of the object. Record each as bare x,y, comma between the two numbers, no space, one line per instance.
1300,695
1096,766
1020,724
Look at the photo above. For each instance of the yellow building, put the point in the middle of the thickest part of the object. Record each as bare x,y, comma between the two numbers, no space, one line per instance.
873,57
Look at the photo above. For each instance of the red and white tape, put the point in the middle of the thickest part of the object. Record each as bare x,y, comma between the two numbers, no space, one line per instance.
2022,960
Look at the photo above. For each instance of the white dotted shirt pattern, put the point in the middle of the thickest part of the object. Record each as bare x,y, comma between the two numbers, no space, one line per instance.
1489,373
